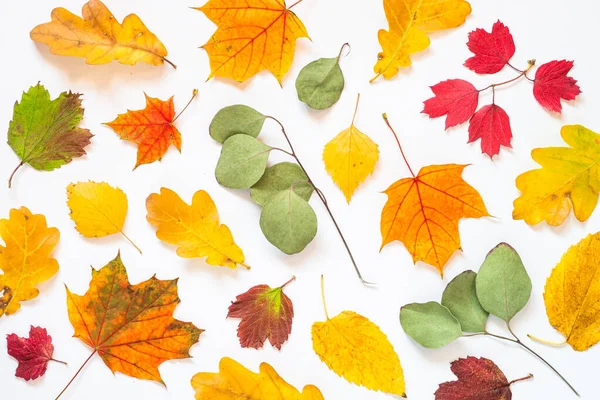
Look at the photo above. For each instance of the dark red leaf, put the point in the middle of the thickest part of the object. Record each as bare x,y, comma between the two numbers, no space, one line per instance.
455,98
552,84
492,50
492,125
33,353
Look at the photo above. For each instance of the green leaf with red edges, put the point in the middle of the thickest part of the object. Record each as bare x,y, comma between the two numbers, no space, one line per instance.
266,313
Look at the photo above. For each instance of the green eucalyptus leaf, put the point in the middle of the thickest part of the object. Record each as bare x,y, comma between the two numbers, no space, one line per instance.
503,286
242,162
320,83
430,324
281,177
288,222
460,297
236,119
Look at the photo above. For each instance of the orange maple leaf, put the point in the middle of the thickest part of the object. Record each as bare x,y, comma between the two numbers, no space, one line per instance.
423,211
151,129
252,35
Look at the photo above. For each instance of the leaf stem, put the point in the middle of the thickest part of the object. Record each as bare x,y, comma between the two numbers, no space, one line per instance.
293,278
293,5
194,94
77,373
355,109
547,342
322,197
342,49
323,296
529,376
58,361
385,118
170,63
131,241
13,173
522,73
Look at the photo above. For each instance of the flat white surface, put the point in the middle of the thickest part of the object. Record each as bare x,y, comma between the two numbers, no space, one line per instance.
543,29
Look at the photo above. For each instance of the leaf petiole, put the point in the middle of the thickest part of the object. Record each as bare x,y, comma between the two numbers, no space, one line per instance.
76,373
13,173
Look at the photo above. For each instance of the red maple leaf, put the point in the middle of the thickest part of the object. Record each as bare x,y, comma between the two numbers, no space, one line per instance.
493,50
455,98
32,353
265,313
478,379
492,125
552,84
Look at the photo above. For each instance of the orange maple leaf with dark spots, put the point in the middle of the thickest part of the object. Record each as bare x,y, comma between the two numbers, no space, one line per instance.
423,211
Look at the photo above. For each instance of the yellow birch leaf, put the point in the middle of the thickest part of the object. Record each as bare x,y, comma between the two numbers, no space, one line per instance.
25,257
99,37
194,228
350,157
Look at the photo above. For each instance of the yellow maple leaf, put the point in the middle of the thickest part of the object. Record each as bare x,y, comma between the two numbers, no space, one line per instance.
350,157
25,259
569,179
98,209
356,349
409,21
99,37
252,35
235,382
194,228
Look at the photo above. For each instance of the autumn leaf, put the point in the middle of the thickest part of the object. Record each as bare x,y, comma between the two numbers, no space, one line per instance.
478,379
409,22
357,350
44,133
491,124
568,179
33,353
455,98
266,313
131,327
423,211
234,381
99,37
194,228
552,84
350,157
25,257
492,51
98,209
252,36
151,129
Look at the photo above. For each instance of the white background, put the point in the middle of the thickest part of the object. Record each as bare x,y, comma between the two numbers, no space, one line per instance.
543,29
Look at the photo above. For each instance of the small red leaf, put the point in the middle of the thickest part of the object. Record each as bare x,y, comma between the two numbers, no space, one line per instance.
478,379
552,84
492,50
265,313
455,98
492,125
33,353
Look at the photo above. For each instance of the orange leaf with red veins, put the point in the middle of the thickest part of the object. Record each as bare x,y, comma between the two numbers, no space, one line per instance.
151,129
423,211
265,313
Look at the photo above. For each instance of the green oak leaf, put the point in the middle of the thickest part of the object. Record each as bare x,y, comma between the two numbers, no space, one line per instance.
460,297
44,132
430,324
236,119
288,222
321,82
281,177
503,286
242,162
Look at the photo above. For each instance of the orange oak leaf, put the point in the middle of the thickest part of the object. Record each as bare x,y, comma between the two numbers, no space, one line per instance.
251,36
152,128
131,327
423,211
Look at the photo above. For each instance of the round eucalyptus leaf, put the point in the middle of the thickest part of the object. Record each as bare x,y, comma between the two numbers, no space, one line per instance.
280,177
460,297
429,324
288,222
242,162
502,284
320,83
237,119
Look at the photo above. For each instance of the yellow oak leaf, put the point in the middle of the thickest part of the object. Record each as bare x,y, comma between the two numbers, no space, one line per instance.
98,209
409,22
25,257
350,157
194,228
569,179
251,36
572,294
235,382
99,37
